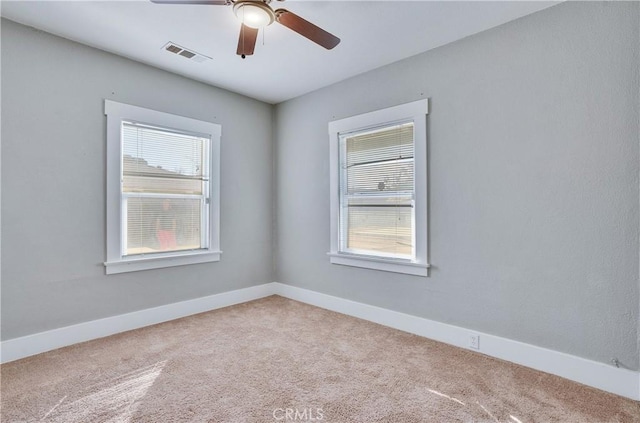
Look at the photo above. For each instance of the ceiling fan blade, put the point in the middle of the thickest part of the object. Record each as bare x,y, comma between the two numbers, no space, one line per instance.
307,29
206,2
247,41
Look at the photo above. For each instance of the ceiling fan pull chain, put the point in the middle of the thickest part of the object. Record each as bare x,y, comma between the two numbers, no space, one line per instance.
242,32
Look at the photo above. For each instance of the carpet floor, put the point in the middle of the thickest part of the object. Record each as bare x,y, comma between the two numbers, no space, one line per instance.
278,360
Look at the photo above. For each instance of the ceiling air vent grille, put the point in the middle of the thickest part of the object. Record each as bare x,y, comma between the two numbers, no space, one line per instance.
189,54
174,49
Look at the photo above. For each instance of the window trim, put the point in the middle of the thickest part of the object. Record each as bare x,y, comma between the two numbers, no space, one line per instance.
117,263
416,111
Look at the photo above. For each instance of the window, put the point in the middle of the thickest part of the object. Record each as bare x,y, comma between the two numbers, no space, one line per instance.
162,189
379,189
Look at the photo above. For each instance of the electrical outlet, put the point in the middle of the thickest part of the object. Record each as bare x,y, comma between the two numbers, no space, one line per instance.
474,341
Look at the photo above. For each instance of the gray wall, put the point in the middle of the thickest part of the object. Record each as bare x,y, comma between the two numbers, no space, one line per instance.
533,137
53,184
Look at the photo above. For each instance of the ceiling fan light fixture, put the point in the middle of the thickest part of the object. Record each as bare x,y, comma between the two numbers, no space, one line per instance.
254,14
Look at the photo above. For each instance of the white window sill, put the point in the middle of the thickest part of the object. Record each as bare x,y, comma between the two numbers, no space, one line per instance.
376,263
158,261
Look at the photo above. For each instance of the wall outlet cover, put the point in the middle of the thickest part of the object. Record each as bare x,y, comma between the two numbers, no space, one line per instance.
474,341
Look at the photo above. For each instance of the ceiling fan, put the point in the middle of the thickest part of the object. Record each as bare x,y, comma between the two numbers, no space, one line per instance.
256,14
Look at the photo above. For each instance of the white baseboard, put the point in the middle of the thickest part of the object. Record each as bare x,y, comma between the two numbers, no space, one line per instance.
608,378
598,375
14,349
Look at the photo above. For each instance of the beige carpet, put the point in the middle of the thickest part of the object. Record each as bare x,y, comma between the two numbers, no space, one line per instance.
277,360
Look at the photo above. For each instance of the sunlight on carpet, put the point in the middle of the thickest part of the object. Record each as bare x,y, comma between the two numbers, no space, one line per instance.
115,403
446,396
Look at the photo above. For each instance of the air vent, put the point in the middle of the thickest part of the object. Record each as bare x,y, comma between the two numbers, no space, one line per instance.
187,54
184,52
174,49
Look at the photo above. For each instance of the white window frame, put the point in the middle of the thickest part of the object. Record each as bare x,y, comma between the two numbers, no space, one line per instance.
417,113
117,262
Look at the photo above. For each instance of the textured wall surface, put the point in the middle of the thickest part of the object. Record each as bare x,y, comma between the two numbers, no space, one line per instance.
533,176
53,184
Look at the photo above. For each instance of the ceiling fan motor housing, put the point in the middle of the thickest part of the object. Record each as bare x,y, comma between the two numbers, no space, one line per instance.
254,13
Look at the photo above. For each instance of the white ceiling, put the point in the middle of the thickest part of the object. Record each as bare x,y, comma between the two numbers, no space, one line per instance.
286,65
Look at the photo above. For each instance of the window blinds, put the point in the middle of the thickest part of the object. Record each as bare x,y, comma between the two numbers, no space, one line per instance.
165,177
377,191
